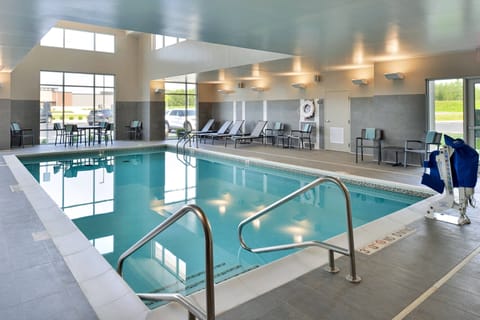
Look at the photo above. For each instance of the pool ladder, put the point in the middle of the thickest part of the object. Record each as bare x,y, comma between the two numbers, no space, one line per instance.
183,140
350,252
194,312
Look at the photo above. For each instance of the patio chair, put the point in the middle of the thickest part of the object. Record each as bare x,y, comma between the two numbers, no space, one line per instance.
59,129
19,134
301,136
256,134
134,130
422,148
106,132
74,135
277,130
370,138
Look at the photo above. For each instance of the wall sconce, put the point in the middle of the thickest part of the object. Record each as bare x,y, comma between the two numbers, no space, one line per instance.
394,76
258,89
360,82
158,90
299,85
225,91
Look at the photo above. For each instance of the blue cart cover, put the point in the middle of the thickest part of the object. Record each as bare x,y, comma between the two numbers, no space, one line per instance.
433,179
464,163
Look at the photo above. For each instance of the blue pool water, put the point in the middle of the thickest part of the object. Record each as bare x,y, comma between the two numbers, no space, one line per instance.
117,198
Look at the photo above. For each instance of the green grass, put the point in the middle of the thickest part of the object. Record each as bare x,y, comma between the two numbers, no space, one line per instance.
448,116
448,110
449,106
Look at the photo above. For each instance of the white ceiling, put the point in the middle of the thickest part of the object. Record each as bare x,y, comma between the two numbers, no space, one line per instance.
328,34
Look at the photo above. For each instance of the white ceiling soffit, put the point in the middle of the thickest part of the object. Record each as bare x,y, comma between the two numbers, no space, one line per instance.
328,33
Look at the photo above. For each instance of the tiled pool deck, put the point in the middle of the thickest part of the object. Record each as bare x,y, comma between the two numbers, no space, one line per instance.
50,271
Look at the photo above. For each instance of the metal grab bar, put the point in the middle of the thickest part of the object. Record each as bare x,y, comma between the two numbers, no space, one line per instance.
209,275
332,248
186,138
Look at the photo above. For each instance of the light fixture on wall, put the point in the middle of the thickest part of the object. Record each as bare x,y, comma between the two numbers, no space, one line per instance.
258,89
299,85
158,90
394,76
225,91
360,82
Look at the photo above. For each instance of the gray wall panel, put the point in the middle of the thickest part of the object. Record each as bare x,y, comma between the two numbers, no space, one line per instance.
286,111
400,116
221,112
5,115
125,112
253,113
27,114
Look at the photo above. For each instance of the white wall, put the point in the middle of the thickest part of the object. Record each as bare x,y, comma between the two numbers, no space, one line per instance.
26,75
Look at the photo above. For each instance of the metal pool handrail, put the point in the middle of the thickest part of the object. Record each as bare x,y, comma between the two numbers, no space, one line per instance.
352,277
193,310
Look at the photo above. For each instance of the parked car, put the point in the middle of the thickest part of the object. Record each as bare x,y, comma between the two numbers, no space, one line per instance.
175,119
105,115
45,113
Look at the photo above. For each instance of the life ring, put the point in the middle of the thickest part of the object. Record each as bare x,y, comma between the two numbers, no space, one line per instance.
308,110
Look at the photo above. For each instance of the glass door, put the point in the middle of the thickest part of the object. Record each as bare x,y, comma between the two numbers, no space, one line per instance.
446,109
473,94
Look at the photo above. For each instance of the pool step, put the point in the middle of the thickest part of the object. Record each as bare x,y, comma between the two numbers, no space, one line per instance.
196,282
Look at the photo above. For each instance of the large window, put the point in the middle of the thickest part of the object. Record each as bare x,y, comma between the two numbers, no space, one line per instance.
161,41
77,39
447,106
453,108
180,107
74,98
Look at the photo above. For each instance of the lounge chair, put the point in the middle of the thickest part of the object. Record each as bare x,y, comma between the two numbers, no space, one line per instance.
207,128
222,130
256,134
220,133
234,130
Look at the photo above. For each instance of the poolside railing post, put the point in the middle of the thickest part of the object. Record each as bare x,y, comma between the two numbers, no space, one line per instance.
331,263
352,277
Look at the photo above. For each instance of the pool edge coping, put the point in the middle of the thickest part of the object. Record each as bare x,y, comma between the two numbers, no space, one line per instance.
248,281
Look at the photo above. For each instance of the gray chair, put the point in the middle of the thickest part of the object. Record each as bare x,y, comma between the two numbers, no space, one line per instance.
273,133
256,134
234,130
135,130
222,130
422,147
370,138
59,129
73,135
18,135
301,135
106,132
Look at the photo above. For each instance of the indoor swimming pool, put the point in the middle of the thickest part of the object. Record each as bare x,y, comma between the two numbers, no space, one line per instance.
117,197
